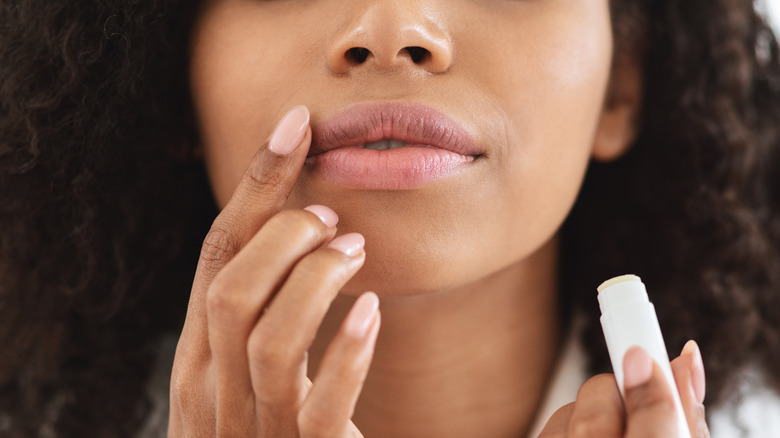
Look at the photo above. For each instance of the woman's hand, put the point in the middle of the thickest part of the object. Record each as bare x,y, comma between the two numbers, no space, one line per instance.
264,281
648,410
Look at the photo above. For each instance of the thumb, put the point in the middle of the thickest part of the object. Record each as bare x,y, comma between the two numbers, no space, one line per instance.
650,408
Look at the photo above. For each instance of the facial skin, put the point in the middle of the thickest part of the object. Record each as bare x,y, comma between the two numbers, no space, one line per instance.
526,79
462,265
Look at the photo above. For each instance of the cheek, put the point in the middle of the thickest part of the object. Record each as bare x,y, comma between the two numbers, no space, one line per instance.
551,84
243,79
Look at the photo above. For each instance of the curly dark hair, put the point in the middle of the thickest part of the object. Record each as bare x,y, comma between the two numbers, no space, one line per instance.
103,204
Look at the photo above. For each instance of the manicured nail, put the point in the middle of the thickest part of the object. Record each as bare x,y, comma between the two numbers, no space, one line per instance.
326,215
290,131
362,314
637,367
350,243
698,380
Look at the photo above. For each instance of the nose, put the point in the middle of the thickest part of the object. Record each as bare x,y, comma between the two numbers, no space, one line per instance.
391,34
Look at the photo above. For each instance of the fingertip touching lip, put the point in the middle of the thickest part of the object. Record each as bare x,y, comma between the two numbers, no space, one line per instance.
412,123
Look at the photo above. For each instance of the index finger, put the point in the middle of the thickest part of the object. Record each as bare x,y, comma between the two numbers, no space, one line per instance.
261,193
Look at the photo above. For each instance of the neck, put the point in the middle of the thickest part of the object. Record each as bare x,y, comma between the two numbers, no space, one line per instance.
473,361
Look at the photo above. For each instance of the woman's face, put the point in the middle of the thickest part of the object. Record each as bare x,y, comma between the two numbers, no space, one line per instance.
525,79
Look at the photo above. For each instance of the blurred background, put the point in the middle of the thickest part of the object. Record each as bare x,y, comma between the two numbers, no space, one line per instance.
772,10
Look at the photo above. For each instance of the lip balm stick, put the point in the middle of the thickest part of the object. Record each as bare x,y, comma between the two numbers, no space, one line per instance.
628,318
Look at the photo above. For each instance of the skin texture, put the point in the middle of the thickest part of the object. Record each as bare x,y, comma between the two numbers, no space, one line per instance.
465,268
530,91
241,363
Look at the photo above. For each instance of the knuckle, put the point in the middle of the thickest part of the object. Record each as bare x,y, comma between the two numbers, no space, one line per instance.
327,267
178,386
353,370
593,426
598,382
555,434
220,244
270,352
558,422
222,299
700,429
181,391
645,398
315,423
262,179
296,223
191,392
603,379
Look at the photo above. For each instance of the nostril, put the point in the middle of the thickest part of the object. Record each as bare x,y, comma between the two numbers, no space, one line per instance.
418,54
357,55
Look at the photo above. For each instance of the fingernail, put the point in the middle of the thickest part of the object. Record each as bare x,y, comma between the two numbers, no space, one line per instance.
698,379
637,367
326,215
350,243
362,314
290,131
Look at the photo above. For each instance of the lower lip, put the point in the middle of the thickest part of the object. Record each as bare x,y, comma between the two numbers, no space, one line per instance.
403,168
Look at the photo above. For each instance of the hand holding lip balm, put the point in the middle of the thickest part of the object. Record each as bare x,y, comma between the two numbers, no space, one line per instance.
628,318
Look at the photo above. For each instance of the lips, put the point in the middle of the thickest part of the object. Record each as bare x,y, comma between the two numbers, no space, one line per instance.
436,146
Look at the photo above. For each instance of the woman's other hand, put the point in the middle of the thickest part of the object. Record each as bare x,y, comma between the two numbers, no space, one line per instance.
264,282
648,411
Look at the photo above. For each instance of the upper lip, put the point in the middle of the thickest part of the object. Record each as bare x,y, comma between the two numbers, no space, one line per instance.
413,123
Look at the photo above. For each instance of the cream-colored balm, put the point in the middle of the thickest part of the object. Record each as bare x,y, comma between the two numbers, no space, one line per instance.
628,319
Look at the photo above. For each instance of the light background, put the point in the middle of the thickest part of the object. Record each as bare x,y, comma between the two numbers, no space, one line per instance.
772,8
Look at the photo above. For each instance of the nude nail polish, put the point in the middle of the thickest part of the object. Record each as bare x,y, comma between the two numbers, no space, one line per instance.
326,215
698,380
362,314
290,131
637,367
350,244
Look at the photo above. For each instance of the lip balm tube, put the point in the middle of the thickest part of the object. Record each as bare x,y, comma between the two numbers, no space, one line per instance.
628,318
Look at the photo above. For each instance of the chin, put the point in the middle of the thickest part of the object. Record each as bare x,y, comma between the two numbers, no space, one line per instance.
396,269
390,279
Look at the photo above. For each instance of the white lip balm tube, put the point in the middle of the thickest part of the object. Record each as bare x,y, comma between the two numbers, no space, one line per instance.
628,318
